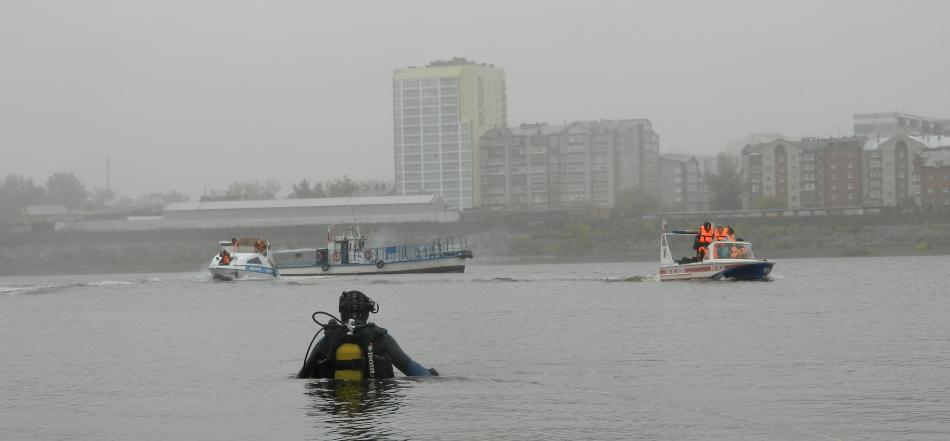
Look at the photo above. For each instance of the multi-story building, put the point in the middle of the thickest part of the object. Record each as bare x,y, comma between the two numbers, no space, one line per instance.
576,164
682,183
934,169
840,161
834,172
439,113
889,172
770,173
888,124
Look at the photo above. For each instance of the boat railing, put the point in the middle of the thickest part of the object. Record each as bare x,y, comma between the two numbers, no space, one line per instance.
436,249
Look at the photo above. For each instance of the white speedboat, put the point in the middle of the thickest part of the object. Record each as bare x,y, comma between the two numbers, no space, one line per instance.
244,258
725,260
346,253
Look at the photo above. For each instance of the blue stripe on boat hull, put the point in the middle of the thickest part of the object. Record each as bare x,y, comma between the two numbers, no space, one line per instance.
751,271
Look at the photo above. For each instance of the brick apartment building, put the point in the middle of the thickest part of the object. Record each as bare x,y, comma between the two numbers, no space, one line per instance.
934,174
836,172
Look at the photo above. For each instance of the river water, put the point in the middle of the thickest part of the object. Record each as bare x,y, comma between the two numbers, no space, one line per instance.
829,349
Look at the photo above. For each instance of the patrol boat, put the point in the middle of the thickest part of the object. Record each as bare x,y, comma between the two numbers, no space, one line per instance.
346,253
726,260
244,258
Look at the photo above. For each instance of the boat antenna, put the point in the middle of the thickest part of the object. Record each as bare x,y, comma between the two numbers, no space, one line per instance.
356,222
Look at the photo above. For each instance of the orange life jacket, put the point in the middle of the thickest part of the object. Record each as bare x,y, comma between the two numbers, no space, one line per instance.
721,234
705,235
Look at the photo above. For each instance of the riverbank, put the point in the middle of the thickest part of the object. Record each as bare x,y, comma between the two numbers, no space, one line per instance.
500,242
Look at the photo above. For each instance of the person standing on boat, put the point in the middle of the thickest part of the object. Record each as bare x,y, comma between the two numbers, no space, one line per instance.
356,349
703,239
721,234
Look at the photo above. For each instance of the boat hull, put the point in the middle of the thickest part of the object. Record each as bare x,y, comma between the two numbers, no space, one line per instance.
731,269
241,272
448,265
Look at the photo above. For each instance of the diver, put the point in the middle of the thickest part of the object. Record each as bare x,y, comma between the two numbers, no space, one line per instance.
354,349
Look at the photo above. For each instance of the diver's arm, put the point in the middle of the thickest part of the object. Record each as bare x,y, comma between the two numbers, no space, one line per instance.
318,351
402,361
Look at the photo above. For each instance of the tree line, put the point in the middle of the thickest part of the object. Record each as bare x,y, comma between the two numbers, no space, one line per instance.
303,189
18,192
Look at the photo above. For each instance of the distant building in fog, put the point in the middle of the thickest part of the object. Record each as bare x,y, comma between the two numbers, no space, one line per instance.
770,174
580,164
934,172
888,124
439,113
682,183
835,172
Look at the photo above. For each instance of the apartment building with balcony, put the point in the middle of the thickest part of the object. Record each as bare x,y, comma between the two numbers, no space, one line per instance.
580,164
776,172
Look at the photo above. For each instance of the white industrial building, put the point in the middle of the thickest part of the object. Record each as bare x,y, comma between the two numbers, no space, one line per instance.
286,212
370,210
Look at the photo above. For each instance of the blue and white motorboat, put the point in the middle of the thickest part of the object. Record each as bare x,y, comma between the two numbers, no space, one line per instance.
244,258
725,260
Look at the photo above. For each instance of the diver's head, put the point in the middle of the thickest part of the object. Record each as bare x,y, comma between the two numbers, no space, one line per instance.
355,305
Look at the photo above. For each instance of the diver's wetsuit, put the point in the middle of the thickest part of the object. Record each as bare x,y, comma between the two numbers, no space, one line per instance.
383,343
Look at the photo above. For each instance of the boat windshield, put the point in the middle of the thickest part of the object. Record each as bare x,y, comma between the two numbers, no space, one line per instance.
245,245
732,250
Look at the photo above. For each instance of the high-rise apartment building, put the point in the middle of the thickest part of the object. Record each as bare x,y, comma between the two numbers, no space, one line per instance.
439,113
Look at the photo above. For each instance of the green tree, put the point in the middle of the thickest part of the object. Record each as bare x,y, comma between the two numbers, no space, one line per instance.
245,191
17,192
342,187
66,189
303,190
726,183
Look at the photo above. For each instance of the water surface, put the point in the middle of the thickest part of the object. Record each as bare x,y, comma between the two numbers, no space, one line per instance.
829,349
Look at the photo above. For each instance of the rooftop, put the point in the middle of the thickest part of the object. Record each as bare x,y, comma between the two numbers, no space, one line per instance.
297,203
936,157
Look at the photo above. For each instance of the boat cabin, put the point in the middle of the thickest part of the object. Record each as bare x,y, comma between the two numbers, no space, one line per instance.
730,250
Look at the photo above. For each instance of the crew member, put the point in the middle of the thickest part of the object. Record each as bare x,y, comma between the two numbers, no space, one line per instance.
234,245
356,349
721,234
225,257
730,234
703,239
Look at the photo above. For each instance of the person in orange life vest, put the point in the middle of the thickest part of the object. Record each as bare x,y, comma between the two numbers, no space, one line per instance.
721,234
703,239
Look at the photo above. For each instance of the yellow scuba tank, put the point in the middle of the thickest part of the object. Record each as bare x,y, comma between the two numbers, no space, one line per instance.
348,352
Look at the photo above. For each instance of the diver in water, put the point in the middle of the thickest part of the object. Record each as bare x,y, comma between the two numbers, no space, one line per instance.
354,349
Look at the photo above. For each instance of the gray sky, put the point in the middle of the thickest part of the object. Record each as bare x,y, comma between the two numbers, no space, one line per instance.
192,94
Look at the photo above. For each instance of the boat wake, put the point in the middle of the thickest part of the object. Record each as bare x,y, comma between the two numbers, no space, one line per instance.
45,289
647,278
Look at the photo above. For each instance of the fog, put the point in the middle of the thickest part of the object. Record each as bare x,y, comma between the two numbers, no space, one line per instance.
193,95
